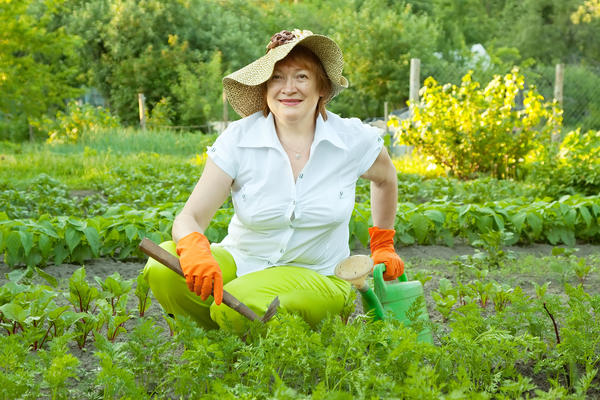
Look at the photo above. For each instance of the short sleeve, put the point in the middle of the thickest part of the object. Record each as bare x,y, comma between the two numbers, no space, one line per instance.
223,152
369,147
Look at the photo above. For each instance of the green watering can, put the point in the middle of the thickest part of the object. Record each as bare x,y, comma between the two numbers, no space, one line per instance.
390,299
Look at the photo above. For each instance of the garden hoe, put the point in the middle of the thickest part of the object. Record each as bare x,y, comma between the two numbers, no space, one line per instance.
169,260
389,299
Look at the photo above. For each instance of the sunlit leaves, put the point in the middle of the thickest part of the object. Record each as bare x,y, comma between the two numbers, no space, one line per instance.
469,130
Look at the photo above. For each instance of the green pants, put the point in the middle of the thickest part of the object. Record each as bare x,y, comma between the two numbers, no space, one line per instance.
300,290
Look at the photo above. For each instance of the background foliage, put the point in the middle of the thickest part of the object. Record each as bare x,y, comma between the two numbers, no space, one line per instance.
176,51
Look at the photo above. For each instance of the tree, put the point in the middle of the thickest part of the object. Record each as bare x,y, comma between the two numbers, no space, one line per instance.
378,41
149,46
37,65
199,92
542,30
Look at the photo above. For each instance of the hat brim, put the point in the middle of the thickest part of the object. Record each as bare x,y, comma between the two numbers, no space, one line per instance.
244,88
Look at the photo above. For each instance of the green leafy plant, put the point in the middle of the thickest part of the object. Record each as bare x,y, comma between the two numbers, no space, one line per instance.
69,126
583,270
83,298
114,318
579,161
62,367
492,243
115,290
161,115
484,130
142,292
445,298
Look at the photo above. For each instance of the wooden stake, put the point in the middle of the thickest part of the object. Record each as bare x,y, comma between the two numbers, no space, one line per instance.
558,94
415,83
142,107
225,111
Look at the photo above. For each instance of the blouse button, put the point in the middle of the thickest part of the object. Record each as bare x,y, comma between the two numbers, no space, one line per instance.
301,175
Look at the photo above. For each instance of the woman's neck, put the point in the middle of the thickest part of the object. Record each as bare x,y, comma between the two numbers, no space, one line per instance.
297,130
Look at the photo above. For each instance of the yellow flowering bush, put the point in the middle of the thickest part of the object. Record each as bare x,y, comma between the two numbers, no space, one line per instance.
69,126
468,129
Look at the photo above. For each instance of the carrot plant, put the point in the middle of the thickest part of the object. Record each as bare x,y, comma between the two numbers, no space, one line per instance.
510,350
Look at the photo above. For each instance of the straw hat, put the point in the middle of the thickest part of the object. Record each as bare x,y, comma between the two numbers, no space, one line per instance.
244,89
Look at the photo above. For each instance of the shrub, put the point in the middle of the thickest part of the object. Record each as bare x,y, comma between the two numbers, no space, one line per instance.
68,126
572,167
161,115
579,160
469,130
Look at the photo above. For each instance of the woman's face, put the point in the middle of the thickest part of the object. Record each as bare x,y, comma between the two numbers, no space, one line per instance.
292,94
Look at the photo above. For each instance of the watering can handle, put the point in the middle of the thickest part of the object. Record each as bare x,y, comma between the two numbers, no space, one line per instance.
382,286
379,269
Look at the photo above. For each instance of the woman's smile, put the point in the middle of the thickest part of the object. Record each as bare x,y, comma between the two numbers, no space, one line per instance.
290,102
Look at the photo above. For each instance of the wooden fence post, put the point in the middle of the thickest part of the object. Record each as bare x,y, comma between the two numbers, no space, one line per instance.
142,107
225,111
558,93
386,115
414,83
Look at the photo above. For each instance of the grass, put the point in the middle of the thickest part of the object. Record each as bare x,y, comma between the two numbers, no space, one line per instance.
134,141
89,162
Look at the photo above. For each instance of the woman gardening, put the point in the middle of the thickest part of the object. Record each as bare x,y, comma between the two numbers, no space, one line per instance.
291,169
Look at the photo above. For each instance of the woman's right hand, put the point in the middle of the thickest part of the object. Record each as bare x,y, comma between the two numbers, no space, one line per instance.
202,272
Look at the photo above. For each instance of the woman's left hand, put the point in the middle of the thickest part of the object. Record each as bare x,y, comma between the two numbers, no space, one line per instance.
382,251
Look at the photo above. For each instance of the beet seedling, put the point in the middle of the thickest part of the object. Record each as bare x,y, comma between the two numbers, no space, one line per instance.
582,270
142,292
115,290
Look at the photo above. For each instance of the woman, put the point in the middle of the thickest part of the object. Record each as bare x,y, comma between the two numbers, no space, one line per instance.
291,168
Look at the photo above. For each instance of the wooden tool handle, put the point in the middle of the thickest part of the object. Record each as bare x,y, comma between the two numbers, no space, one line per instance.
170,261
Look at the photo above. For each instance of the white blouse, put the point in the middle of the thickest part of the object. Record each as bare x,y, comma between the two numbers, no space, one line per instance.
281,222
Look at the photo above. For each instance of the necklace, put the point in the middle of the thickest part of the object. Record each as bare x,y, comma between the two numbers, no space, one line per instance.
297,154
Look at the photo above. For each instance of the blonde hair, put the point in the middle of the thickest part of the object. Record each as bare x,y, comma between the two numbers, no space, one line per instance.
305,58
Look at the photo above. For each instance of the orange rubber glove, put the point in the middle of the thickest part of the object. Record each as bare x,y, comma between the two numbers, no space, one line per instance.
382,251
200,268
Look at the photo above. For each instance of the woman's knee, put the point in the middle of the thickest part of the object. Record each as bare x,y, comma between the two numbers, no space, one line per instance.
155,272
300,291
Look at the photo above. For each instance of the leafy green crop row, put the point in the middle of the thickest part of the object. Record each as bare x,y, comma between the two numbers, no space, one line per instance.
118,231
45,194
70,239
525,221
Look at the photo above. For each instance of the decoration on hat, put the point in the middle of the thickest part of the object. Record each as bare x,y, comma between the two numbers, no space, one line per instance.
284,37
